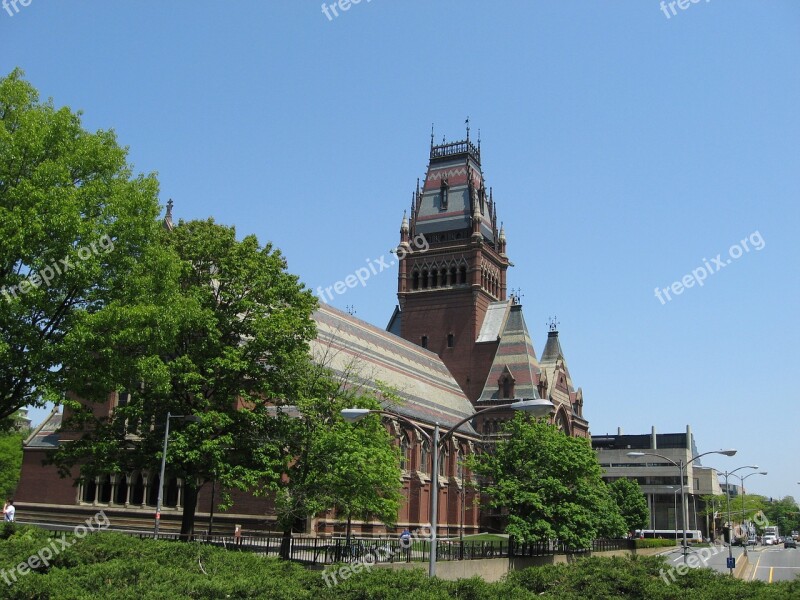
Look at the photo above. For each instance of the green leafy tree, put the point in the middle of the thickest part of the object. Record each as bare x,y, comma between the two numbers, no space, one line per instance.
352,468
74,221
217,329
10,462
631,503
784,514
550,483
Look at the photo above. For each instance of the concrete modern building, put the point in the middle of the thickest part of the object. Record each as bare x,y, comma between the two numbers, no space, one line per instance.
660,479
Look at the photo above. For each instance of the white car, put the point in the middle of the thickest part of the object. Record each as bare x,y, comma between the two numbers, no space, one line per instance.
769,540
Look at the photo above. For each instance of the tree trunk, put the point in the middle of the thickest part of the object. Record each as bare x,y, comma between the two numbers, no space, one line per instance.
189,508
286,543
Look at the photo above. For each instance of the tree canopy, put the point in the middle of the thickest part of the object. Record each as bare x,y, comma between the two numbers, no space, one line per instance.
220,333
631,503
550,483
74,221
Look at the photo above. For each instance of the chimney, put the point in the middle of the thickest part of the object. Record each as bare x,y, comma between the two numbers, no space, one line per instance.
653,444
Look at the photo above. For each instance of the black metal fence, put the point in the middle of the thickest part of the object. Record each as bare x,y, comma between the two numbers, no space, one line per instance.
324,551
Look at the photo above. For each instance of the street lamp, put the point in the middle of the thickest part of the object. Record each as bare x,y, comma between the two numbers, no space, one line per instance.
681,468
186,418
538,408
741,480
728,505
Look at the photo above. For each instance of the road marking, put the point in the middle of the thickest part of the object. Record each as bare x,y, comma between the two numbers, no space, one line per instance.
770,574
755,570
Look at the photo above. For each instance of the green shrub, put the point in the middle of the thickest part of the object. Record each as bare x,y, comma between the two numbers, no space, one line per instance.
653,543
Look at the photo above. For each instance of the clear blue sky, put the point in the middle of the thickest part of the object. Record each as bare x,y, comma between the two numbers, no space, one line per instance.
624,148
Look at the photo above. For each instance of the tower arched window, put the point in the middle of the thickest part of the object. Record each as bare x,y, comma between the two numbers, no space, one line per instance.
415,280
462,275
451,280
425,279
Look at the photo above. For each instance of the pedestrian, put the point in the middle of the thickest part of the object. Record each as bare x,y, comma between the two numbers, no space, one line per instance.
9,512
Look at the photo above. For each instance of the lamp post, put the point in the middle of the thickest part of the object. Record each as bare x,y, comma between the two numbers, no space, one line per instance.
537,408
728,507
188,418
681,464
741,480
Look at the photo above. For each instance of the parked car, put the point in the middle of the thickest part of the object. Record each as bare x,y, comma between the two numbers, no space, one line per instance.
789,543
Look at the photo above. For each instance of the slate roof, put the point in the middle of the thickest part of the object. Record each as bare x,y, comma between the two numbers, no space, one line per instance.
456,164
429,392
45,436
515,353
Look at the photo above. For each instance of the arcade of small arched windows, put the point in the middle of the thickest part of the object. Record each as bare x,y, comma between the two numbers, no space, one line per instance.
436,276
416,455
490,280
131,490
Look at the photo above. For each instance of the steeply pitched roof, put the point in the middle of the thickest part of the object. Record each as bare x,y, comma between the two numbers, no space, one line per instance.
369,355
45,436
515,355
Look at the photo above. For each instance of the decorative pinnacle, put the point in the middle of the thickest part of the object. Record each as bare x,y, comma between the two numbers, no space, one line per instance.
404,224
553,323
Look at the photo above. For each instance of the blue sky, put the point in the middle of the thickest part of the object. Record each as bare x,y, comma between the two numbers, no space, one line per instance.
625,148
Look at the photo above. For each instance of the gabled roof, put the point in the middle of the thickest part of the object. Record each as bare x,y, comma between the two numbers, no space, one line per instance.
45,436
515,355
553,363
368,355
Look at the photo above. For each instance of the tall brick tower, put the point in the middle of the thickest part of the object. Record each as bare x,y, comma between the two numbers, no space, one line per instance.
453,264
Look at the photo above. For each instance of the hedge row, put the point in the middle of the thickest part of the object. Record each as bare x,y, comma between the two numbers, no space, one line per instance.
117,567
654,543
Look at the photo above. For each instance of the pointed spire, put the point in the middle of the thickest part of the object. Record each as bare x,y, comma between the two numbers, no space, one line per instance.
467,122
431,136
168,217
502,237
404,224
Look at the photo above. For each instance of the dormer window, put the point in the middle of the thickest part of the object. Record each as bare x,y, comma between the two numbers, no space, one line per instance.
505,385
443,191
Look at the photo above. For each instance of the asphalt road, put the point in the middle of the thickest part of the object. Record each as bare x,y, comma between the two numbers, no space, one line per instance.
712,557
773,563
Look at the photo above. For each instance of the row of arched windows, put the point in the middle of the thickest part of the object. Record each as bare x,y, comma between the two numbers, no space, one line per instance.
408,456
136,489
435,277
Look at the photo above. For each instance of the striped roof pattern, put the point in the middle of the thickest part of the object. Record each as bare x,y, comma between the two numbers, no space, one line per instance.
348,345
516,354
432,217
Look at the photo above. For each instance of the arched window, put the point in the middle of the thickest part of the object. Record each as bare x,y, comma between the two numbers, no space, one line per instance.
137,489
405,454
415,280
121,495
425,280
104,489
424,458
451,280
89,490
462,275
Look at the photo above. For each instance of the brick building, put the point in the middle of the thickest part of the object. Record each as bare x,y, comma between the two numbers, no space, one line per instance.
457,342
